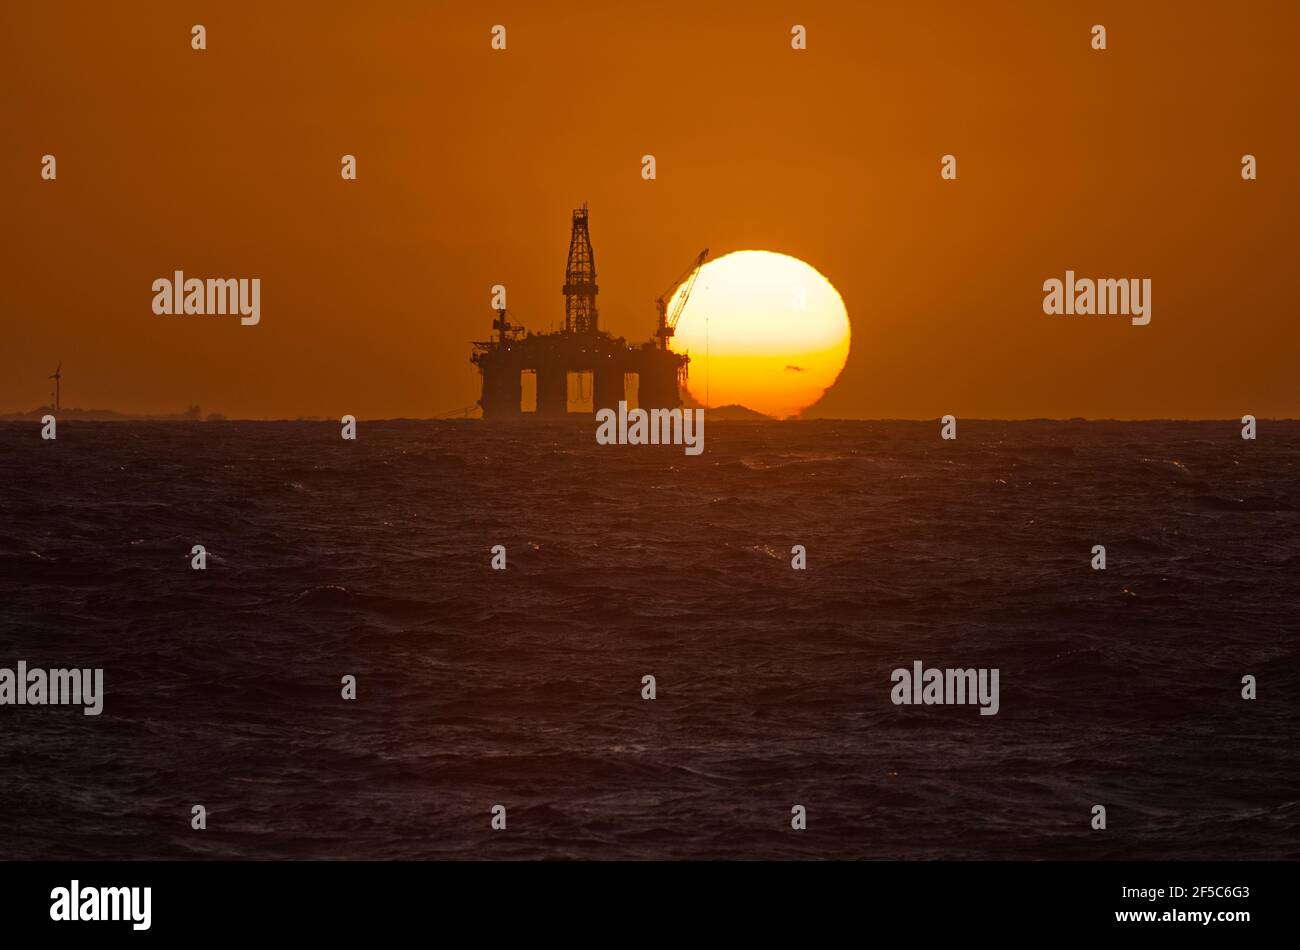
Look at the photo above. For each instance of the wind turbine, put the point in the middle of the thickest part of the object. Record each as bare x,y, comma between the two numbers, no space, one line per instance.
57,376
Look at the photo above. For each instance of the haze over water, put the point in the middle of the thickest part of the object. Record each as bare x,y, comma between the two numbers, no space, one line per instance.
523,688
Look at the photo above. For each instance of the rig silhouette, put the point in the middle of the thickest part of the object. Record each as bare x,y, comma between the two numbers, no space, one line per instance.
583,348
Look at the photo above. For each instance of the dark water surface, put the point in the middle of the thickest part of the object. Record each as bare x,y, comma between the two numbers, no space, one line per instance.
523,688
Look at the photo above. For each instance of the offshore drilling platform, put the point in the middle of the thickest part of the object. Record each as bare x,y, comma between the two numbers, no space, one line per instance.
583,350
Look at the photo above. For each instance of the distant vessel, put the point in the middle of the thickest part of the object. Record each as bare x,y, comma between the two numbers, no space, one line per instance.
582,348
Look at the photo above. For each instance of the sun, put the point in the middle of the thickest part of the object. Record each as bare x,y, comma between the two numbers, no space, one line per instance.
763,330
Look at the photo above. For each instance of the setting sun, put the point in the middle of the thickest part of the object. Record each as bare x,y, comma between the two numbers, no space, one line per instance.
763,330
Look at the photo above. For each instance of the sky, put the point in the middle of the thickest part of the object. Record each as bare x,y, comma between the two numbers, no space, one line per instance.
225,162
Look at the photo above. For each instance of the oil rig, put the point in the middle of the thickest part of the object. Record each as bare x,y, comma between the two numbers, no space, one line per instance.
583,349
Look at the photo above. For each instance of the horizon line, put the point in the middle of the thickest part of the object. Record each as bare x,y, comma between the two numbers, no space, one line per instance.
527,418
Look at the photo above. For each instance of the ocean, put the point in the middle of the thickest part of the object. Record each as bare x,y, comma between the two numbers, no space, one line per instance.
523,688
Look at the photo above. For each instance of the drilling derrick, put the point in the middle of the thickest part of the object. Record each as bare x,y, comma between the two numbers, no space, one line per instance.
580,315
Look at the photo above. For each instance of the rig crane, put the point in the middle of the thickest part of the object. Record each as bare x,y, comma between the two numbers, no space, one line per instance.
668,321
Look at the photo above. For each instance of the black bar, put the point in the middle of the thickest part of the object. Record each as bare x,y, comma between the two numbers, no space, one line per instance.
664,901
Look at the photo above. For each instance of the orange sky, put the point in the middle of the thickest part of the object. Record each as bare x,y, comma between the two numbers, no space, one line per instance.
225,163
